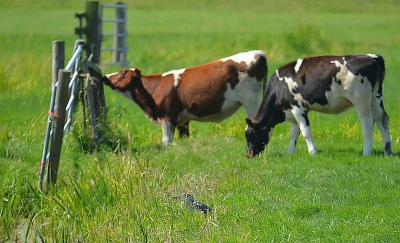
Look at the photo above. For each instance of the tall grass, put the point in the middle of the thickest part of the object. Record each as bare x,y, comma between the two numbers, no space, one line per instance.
130,199
124,191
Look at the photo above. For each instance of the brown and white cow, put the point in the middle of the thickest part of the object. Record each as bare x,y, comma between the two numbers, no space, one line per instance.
211,92
328,84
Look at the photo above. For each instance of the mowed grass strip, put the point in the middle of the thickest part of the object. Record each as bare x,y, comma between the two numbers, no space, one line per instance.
123,192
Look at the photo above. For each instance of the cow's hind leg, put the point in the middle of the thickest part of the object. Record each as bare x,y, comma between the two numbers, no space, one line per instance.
294,134
183,130
367,125
167,131
300,114
382,120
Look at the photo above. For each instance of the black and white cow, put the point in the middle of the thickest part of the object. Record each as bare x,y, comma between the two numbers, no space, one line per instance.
328,84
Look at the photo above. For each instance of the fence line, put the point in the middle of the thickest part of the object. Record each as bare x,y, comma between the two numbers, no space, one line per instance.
74,62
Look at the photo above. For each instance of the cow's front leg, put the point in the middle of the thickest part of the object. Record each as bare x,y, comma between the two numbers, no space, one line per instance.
167,131
300,114
294,134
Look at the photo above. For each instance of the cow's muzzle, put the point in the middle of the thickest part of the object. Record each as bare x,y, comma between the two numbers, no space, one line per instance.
106,80
251,153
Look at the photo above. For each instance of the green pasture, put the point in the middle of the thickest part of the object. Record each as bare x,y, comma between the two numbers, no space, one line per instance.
123,192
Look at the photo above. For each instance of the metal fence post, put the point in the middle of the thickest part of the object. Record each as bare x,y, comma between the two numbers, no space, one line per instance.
119,49
120,34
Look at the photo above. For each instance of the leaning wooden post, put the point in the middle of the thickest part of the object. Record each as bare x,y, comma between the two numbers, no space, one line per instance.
93,39
58,130
57,64
58,60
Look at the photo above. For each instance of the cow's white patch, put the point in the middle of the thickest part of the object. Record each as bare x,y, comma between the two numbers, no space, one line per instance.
110,74
242,95
247,57
291,84
277,75
230,106
298,65
345,91
245,92
176,74
349,81
372,55
293,89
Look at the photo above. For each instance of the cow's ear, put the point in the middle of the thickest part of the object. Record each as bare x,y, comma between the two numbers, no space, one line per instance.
250,122
123,72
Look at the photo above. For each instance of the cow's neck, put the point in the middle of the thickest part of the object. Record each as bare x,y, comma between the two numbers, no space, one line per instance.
269,116
151,82
145,101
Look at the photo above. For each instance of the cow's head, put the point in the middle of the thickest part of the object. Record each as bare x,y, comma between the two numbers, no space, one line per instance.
123,80
257,137
128,82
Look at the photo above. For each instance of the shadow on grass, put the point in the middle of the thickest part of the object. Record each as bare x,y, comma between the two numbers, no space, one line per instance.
355,152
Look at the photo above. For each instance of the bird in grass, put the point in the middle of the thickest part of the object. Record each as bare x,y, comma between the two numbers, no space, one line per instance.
188,201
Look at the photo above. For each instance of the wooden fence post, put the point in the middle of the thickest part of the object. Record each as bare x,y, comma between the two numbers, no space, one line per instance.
58,130
79,42
95,98
58,59
93,39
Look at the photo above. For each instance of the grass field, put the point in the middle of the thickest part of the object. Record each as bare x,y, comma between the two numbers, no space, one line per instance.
124,193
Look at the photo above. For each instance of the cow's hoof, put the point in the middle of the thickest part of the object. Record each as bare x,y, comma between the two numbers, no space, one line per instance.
313,152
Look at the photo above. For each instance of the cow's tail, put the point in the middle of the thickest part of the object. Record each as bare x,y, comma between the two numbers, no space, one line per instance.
260,69
381,71
264,83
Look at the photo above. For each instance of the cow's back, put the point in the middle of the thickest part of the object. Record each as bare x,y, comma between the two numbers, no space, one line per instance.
330,83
